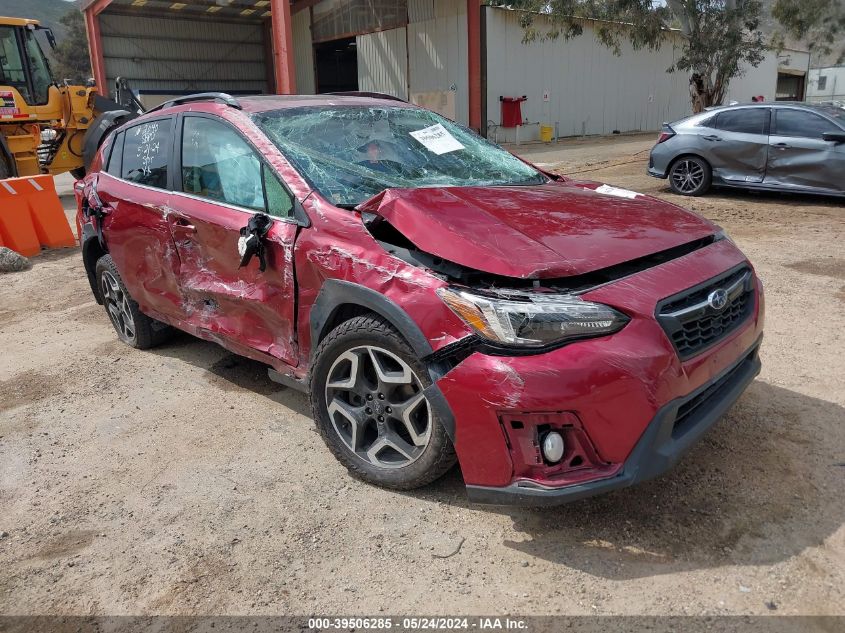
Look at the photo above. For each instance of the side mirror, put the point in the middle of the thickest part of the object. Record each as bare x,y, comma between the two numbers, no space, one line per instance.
835,137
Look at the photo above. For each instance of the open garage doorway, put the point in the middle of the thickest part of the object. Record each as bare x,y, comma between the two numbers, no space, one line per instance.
337,65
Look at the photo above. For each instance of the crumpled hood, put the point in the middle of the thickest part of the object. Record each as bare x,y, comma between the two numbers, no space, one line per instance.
553,230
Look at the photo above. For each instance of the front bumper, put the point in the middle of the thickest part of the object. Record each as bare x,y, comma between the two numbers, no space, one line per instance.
676,427
612,388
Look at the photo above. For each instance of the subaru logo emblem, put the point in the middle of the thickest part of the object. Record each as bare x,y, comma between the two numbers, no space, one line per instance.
718,299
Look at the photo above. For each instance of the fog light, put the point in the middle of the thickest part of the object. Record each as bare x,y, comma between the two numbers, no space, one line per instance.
553,447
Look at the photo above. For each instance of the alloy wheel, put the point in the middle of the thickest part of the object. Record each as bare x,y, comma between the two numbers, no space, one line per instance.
117,305
687,176
377,407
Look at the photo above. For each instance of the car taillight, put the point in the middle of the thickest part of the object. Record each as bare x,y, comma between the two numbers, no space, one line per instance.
665,134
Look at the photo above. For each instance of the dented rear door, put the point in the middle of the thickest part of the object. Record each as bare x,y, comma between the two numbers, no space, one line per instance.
134,192
220,188
738,146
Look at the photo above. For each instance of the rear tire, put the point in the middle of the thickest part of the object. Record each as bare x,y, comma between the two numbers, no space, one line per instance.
367,400
133,327
690,176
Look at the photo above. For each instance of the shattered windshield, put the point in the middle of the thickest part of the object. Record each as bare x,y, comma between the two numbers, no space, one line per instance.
351,153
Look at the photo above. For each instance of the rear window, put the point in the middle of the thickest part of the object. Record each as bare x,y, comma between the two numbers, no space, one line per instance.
116,157
146,152
745,121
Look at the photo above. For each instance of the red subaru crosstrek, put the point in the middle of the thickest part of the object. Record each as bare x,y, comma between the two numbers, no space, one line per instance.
437,297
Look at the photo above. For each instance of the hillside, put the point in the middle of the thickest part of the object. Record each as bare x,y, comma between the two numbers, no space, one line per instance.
48,12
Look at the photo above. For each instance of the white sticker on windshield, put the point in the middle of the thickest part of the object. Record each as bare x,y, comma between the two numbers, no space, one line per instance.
609,190
437,139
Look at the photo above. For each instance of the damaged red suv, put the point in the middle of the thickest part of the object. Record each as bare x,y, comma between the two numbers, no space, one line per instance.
438,298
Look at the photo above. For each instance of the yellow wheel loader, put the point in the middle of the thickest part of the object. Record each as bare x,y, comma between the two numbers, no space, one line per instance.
47,127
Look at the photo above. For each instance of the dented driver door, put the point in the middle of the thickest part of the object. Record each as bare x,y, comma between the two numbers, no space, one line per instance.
223,183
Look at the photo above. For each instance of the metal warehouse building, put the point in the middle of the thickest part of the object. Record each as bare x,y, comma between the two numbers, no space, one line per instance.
458,57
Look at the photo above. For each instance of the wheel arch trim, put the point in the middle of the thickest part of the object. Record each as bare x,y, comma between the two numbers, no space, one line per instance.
689,154
91,253
336,293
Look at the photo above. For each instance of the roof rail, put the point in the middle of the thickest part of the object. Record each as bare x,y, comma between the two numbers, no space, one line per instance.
372,95
222,97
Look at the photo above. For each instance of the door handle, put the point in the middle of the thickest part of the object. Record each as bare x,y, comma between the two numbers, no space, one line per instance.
183,226
782,145
712,137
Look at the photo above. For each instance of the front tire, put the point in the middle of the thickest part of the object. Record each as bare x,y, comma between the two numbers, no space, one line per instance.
133,327
690,176
368,402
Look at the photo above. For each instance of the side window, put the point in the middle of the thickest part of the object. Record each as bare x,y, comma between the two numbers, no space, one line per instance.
744,121
804,124
116,156
279,201
146,152
217,163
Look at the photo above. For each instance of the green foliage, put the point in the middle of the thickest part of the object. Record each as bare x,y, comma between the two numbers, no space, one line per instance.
819,22
720,38
634,20
70,59
48,12
719,35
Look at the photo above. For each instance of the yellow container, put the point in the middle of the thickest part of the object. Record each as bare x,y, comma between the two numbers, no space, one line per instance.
546,132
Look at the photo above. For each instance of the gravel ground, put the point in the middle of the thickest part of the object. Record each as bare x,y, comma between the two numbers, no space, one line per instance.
183,481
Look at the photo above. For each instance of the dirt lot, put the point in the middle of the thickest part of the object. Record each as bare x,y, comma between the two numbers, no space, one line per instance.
183,481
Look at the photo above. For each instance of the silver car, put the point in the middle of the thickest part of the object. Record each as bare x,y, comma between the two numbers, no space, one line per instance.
776,146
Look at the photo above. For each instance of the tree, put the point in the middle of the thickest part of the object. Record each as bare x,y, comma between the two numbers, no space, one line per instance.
70,58
819,22
720,36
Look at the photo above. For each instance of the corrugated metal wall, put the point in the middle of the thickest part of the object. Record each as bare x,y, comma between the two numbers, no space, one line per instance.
335,19
184,55
437,51
303,53
421,10
591,91
383,62
435,59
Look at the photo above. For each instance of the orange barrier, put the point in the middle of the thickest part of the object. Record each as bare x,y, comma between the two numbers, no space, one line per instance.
48,216
16,228
31,216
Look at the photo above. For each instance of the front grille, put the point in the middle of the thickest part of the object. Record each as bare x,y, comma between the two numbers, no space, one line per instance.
693,325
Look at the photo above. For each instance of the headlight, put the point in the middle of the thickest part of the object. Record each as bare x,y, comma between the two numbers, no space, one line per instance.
534,321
